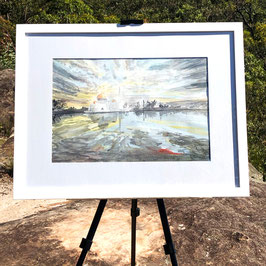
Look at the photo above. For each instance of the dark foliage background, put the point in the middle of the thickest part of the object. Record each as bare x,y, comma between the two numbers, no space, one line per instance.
250,12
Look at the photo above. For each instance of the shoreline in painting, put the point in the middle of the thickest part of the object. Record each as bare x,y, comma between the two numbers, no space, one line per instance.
182,106
81,111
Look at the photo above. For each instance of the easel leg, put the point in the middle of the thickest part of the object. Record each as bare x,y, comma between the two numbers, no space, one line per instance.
87,242
134,213
169,246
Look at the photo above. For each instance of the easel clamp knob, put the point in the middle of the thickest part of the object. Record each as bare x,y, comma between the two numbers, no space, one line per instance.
85,244
168,249
135,212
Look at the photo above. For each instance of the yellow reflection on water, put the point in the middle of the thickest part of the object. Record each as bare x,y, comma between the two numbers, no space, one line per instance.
194,130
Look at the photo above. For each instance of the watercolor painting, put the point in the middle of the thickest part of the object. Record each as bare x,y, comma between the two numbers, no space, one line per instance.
130,110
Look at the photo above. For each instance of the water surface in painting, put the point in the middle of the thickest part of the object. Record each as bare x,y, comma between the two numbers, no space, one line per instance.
130,110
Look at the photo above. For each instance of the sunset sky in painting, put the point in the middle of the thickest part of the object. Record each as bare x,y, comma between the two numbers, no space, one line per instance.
81,82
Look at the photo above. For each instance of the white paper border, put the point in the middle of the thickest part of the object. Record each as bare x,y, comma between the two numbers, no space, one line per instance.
22,189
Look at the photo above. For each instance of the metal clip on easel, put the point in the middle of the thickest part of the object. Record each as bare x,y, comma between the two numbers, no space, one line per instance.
131,22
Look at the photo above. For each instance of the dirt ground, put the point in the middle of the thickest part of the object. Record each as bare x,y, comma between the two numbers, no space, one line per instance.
206,231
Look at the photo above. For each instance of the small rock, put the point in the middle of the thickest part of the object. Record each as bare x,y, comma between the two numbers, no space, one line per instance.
239,236
254,173
181,227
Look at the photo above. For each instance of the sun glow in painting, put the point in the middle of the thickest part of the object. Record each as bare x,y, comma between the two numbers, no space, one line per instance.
130,110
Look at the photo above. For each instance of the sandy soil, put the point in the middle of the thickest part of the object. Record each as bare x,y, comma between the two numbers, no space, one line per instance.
17,209
68,225
205,231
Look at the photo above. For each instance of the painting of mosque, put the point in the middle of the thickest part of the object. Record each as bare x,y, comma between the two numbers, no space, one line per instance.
131,110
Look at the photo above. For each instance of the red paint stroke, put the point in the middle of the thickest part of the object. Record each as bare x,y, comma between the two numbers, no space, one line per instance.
166,151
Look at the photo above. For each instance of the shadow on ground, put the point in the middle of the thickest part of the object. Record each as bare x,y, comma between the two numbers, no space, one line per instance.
215,231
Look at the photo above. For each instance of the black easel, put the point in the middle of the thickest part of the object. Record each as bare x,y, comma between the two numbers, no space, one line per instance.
168,247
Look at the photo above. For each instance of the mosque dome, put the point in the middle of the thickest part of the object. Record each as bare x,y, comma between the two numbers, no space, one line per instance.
101,96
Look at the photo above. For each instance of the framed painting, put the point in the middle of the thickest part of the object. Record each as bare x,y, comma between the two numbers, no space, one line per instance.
111,111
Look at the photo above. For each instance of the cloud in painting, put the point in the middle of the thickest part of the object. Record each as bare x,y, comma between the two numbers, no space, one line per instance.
80,81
